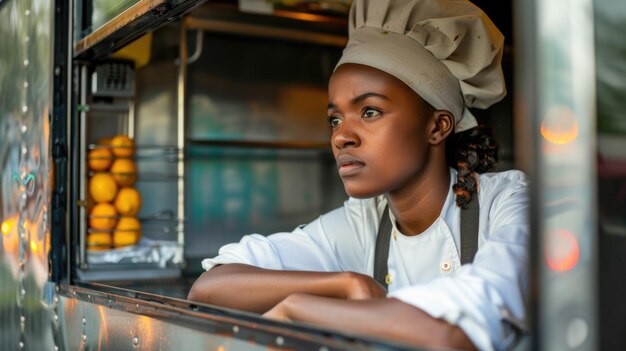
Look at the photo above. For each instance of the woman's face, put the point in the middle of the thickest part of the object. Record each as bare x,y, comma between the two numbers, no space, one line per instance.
380,135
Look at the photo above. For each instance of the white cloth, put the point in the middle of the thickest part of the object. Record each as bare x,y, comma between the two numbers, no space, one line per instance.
486,298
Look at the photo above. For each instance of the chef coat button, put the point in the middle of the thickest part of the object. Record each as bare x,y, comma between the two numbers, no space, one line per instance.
388,279
395,234
445,266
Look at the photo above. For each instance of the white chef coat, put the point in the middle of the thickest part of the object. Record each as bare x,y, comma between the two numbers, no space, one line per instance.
487,298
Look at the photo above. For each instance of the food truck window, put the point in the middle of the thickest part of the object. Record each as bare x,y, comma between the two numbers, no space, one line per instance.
241,146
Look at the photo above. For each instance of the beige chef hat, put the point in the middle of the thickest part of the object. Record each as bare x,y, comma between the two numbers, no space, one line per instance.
448,51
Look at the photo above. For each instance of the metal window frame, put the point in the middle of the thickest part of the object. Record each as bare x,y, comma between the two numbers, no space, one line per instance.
555,76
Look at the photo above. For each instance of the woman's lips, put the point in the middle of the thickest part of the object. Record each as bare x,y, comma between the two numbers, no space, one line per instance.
349,165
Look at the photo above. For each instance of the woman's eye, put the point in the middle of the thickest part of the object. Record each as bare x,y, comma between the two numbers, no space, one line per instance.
334,121
371,113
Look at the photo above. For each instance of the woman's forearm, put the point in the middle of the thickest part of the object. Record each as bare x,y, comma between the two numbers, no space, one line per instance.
257,290
384,318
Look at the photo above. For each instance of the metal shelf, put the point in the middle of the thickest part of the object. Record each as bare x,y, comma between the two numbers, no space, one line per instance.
255,30
145,152
269,144
281,24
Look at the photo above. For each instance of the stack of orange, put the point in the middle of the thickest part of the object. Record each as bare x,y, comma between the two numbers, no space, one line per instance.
113,219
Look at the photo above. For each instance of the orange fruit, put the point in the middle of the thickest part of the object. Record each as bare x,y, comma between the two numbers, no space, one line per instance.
127,232
128,202
102,187
98,241
99,159
124,171
123,146
103,216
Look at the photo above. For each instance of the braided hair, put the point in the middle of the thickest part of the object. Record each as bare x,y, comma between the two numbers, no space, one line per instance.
470,152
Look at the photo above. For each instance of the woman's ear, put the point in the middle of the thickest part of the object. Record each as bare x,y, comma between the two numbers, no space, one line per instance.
443,126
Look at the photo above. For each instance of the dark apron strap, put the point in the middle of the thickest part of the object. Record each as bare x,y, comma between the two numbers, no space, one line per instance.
469,239
382,249
469,230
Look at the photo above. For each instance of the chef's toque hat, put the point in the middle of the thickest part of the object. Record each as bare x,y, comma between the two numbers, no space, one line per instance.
447,51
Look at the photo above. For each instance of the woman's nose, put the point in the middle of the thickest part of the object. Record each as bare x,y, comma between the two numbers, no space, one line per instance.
345,136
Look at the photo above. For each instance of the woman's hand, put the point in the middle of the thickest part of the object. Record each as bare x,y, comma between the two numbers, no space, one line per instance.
357,287
385,318
279,312
363,287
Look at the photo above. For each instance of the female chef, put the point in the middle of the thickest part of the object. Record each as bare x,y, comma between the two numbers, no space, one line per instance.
428,250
